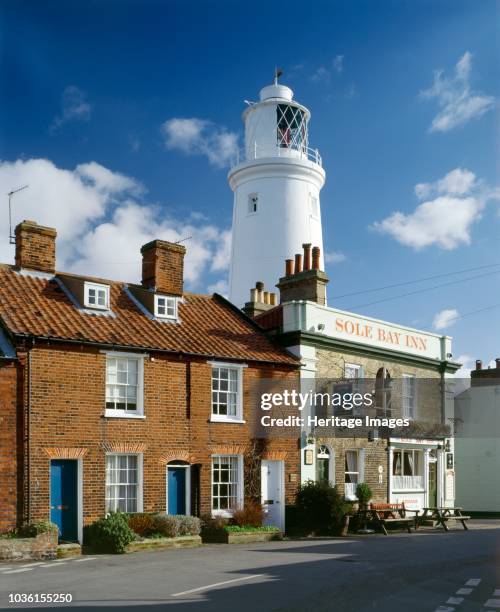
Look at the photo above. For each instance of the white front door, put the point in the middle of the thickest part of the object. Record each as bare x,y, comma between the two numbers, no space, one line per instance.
273,493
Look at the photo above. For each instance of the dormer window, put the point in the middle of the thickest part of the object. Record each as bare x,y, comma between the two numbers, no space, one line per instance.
96,296
165,307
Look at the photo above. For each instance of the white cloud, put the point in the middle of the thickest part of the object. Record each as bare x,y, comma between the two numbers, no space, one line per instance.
445,218
201,137
74,107
222,256
445,318
104,180
221,287
338,64
323,74
468,364
100,222
459,104
334,257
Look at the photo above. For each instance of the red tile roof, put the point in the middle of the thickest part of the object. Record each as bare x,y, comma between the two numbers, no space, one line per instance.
209,325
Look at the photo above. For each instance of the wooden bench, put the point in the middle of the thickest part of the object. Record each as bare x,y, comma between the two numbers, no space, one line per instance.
387,514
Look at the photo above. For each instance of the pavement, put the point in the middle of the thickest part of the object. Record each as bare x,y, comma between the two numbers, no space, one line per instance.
425,571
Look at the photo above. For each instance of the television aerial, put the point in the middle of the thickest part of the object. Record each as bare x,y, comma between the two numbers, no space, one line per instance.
12,238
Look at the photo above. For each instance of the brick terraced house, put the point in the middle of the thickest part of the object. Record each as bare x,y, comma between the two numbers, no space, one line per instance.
406,371
130,396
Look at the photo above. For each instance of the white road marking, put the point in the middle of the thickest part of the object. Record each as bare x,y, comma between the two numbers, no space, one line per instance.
45,565
473,582
455,600
32,564
85,559
444,609
18,571
5,568
491,603
216,584
496,593
464,591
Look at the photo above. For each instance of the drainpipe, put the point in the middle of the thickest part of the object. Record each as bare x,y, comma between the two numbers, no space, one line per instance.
28,437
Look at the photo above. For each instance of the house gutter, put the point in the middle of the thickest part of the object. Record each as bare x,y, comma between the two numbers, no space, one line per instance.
128,347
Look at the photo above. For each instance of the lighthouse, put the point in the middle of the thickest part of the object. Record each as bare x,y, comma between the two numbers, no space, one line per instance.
276,181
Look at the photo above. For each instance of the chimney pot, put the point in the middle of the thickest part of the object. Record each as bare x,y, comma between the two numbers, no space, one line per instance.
272,297
163,266
307,256
289,267
315,258
298,263
497,362
259,285
253,295
35,246
479,364
266,297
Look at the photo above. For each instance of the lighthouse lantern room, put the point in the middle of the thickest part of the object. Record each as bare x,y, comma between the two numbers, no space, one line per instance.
276,183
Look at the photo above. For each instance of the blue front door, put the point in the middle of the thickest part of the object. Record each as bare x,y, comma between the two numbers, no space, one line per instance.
176,490
63,498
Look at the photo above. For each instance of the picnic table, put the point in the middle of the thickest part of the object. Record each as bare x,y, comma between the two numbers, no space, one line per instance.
442,515
386,514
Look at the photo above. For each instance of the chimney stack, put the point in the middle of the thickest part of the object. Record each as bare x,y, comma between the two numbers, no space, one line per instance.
308,283
298,263
307,256
163,266
479,364
35,247
260,301
316,258
497,363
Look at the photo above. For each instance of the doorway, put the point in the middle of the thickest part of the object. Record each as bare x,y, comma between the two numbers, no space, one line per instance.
178,488
273,493
432,493
64,498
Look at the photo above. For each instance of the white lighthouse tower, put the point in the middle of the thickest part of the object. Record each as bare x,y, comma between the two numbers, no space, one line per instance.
276,183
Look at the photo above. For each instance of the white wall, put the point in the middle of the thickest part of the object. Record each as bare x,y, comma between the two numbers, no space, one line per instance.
477,449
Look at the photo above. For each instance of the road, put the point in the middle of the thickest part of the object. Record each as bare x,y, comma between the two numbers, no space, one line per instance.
425,571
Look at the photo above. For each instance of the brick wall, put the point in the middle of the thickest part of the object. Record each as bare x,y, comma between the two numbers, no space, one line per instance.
67,408
331,365
35,247
8,446
163,266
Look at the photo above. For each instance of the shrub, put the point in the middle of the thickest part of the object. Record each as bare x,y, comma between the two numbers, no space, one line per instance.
188,525
211,523
142,523
363,493
321,508
31,530
251,515
110,534
238,529
167,525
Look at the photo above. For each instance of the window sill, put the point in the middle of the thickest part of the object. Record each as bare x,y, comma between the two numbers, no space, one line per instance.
114,414
218,419
223,513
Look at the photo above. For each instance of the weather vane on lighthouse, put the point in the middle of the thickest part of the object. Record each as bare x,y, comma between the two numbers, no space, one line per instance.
276,189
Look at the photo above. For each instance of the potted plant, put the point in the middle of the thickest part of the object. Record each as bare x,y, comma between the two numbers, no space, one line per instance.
364,494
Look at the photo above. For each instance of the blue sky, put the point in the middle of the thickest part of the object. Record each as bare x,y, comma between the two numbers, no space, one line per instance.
90,87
